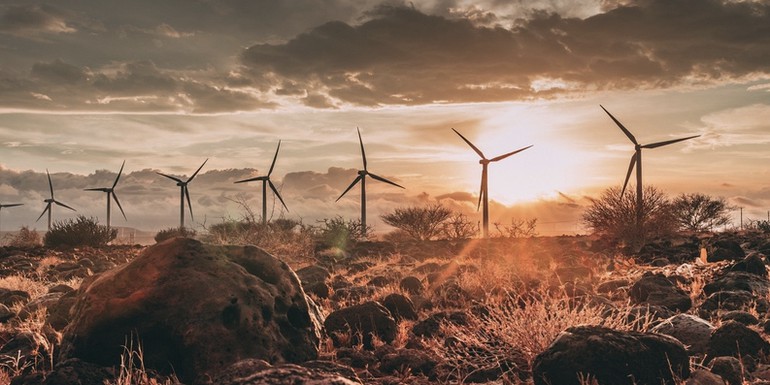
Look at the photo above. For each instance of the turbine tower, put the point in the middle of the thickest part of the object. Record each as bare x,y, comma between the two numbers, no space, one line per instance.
184,192
7,205
111,194
484,191
636,160
265,182
362,174
51,201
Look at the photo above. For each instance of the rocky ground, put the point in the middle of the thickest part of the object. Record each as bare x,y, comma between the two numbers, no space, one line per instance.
562,310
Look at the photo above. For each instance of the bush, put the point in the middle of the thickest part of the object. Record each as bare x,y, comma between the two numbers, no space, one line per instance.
25,238
340,233
614,216
280,237
173,232
458,226
79,232
700,212
420,223
523,228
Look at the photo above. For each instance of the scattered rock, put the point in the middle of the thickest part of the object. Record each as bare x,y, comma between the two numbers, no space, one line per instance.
738,281
704,377
362,320
77,372
10,297
411,285
6,313
258,372
692,331
729,368
606,355
60,288
195,308
380,281
732,300
314,280
659,290
416,361
752,264
725,250
430,327
734,339
741,316
612,286
400,306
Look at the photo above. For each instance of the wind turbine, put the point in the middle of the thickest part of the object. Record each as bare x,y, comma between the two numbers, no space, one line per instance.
50,201
636,160
265,182
484,191
111,194
184,192
8,205
362,174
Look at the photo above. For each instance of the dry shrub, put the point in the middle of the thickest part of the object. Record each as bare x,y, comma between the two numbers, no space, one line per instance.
19,282
132,370
25,238
521,326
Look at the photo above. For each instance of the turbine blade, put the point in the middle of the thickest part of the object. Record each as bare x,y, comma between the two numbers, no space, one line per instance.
119,172
170,177
625,130
501,157
381,179
358,179
628,174
196,173
189,203
481,154
50,184
63,205
115,197
102,189
275,191
47,207
667,142
363,154
14,205
272,165
250,179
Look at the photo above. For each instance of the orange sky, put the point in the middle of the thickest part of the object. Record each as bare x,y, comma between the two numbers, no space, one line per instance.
84,87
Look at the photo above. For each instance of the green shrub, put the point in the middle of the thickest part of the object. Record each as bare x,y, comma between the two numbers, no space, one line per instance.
174,232
79,232
420,223
25,238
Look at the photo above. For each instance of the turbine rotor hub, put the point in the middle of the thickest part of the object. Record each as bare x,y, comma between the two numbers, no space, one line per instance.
362,172
483,161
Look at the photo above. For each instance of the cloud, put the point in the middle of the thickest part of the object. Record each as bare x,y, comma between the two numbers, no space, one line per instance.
746,125
403,56
32,19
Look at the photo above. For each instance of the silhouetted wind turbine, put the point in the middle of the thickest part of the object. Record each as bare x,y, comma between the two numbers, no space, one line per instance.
111,194
7,205
636,160
265,182
484,191
362,174
184,192
50,201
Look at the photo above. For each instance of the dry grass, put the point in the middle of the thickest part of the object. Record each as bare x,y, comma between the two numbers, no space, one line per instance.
132,370
34,287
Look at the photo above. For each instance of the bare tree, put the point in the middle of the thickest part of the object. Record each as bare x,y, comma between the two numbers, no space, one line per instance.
701,212
518,228
458,226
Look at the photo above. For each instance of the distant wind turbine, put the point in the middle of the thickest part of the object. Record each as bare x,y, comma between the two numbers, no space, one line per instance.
636,160
50,201
362,174
184,192
2,206
484,191
111,194
265,182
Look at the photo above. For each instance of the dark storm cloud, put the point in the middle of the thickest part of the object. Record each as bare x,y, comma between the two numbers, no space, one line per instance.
403,56
134,86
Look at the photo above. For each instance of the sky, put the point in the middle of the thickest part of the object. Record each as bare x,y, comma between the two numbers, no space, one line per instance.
165,85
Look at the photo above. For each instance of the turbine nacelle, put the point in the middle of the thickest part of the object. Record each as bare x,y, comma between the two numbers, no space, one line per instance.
362,172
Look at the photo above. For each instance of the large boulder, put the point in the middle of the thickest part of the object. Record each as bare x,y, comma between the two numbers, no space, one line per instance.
725,250
611,357
195,308
694,332
659,290
738,280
